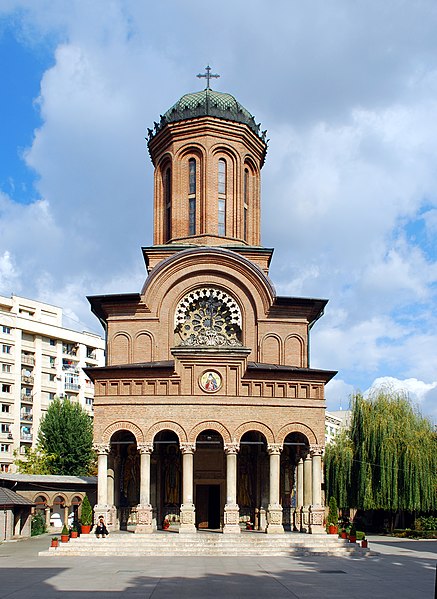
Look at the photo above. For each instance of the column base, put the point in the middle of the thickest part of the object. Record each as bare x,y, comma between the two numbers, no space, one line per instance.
274,519
144,519
231,519
188,518
316,515
305,519
297,520
109,513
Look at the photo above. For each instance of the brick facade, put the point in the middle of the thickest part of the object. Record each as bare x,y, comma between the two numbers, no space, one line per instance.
207,311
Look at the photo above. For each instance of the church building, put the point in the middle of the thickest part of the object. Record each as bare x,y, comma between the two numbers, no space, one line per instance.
207,414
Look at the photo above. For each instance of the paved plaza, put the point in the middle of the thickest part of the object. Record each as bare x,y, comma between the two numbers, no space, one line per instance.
400,570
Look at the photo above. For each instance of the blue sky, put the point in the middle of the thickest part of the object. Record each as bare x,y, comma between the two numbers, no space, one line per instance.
348,93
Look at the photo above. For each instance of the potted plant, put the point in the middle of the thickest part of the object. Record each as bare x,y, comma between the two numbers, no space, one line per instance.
343,533
74,533
86,516
333,517
55,542
353,534
65,535
364,542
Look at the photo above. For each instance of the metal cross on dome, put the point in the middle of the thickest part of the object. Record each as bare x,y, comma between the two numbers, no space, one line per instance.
208,75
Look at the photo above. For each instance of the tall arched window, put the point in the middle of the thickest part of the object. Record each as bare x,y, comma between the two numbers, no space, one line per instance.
167,203
222,197
246,201
192,197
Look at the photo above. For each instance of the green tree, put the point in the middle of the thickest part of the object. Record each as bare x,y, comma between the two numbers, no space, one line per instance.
66,433
36,461
388,460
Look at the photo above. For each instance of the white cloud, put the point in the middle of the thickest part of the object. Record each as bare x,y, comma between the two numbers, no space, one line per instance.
348,92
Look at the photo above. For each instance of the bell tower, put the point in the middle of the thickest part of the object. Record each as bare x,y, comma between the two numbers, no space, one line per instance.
208,153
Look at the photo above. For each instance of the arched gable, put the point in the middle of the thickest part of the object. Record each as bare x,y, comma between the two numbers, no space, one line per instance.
166,425
254,426
122,425
297,427
209,425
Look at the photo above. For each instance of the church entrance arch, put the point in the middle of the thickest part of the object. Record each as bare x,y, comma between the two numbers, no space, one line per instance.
209,480
253,480
295,450
124,461
166,476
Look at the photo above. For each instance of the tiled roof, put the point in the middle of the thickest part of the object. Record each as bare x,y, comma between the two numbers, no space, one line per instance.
208,103
8,497
49,478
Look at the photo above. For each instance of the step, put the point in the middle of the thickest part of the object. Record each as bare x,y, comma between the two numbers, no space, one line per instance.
168,544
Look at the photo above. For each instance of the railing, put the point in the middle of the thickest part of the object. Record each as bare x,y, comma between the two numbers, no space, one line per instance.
27,360
26,437
26,416
71,387
27,379
28,398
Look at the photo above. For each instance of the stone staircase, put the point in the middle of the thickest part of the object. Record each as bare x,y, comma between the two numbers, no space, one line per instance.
205,544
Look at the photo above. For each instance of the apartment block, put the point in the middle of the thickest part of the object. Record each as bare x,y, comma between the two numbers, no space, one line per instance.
39,360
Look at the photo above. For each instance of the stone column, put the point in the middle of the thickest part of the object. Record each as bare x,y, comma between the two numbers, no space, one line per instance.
232,512
188,518
299,495
66,510
307,492
144,508
47,515
274,510
102,508
317,509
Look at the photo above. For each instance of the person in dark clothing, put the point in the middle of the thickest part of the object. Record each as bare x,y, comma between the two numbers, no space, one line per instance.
101,528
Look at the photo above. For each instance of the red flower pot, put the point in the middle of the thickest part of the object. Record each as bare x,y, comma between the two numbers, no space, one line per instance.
333,530
364,543
65,538
74,534
343,534
86,529
55,543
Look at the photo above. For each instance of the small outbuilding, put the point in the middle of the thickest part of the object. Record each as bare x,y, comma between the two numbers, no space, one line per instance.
15,515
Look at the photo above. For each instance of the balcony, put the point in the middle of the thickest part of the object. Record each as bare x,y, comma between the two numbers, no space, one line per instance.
27,380
72,387
27,398
27,437
27,417
69,350
26,359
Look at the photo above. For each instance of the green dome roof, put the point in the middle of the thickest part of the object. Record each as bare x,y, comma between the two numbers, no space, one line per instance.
209,103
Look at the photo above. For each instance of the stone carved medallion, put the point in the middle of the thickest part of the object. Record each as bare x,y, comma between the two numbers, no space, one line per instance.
208,317
210,381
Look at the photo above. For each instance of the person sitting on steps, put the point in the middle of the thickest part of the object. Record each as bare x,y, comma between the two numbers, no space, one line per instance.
101,528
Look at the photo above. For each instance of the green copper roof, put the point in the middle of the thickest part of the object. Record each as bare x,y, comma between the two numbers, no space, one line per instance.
208,103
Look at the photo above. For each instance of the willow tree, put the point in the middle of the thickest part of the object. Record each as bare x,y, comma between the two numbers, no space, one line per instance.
388,459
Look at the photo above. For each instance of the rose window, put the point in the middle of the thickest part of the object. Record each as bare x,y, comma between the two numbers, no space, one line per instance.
208,317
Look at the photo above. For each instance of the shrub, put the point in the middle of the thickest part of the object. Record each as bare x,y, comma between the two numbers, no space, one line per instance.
333,513
38,524
86,516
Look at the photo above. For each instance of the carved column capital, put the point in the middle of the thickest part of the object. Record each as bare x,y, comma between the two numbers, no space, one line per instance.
145,447
187,447
232,448
102,448
274,448
316,449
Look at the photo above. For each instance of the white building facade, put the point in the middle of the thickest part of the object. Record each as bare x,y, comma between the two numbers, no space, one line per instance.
39,360
336,422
